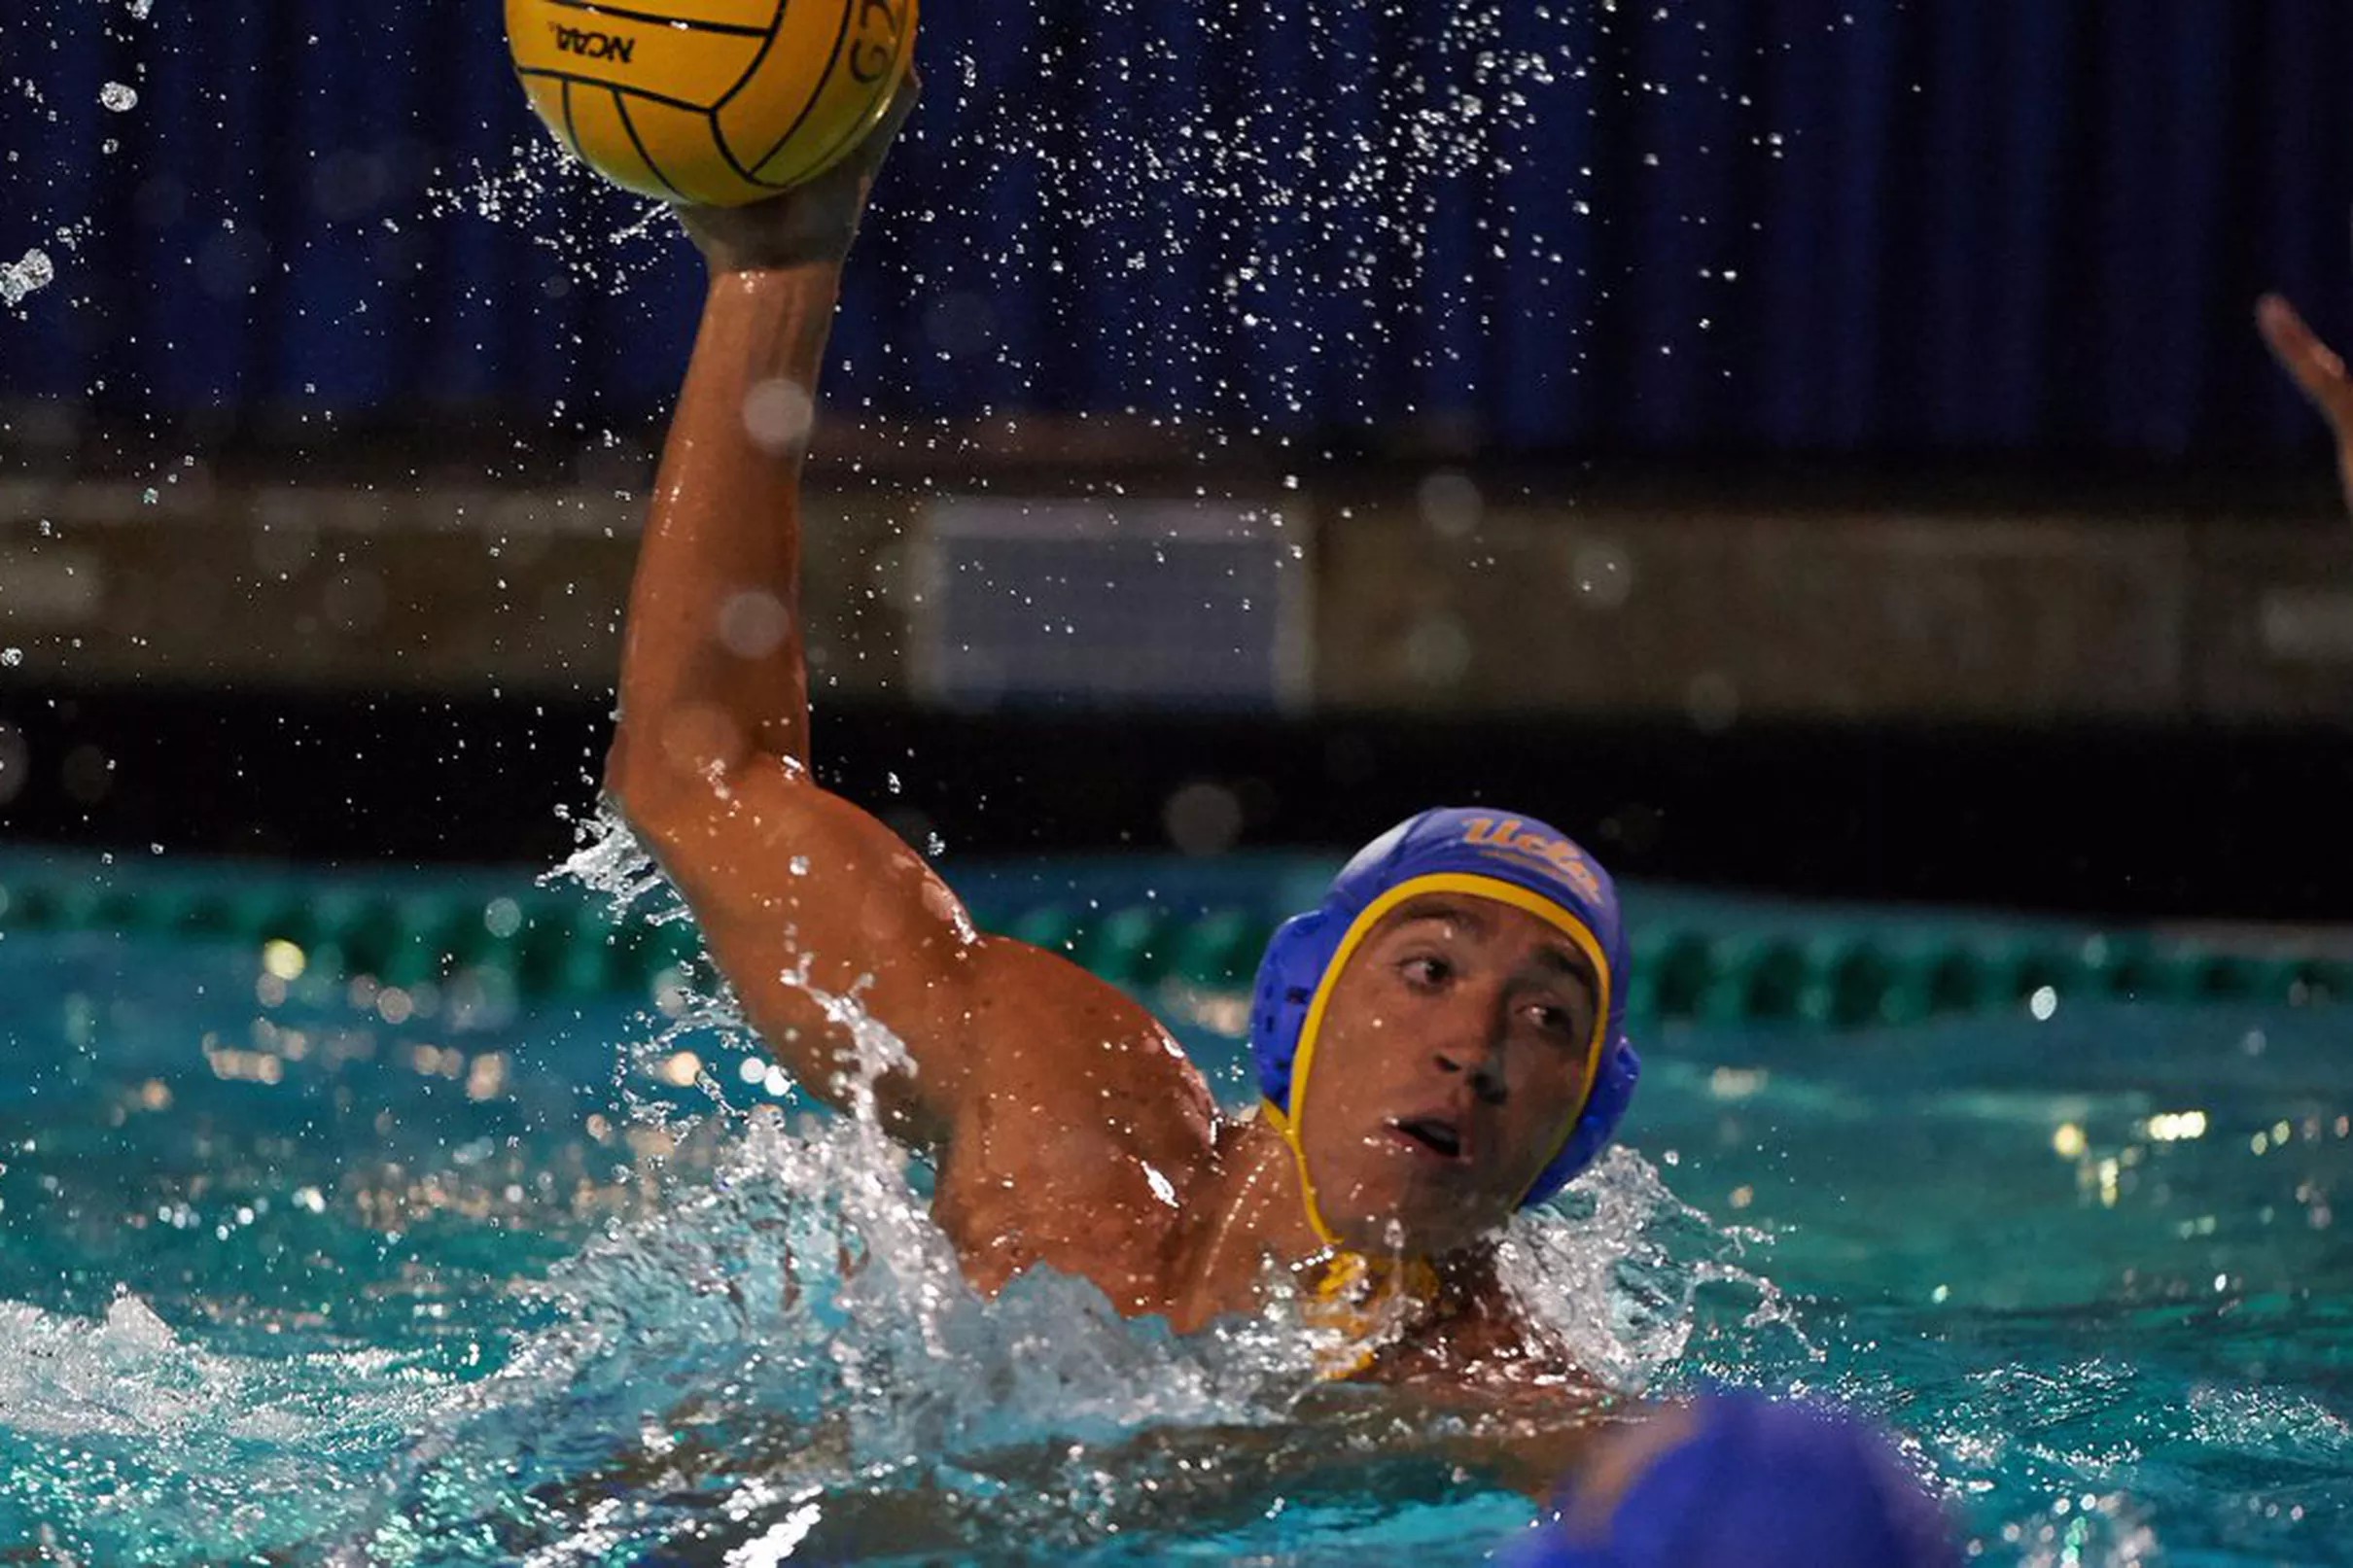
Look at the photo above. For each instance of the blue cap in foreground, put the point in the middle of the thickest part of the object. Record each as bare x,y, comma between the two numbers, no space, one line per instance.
1756,1485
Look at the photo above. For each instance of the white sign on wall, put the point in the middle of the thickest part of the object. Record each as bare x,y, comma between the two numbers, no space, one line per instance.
1148,604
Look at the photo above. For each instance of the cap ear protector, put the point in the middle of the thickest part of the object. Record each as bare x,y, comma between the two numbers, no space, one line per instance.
1513,860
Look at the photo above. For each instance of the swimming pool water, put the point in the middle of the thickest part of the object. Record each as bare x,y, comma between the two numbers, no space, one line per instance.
305,1270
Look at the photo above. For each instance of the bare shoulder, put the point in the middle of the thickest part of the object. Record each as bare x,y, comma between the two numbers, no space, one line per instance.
1084,1128
1073,1043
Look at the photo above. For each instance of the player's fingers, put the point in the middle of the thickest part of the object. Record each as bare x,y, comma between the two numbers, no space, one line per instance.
858,168
2314,366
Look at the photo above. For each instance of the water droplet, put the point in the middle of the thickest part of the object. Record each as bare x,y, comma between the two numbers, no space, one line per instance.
23,277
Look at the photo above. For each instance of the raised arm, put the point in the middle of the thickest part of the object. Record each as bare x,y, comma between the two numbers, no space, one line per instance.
804,898
2318,371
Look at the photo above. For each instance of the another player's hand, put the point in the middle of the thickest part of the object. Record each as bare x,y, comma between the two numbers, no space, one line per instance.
813,223
2317,369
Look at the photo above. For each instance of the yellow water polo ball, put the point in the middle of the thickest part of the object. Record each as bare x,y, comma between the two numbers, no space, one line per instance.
715,101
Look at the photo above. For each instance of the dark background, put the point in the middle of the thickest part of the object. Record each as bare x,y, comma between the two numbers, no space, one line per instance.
1697,228
1943,253
2115,820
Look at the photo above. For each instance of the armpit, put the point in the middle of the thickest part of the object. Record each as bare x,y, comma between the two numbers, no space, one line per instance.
1022,1187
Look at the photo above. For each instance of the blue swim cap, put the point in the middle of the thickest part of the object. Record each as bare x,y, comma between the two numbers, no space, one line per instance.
1486,853
1759,1485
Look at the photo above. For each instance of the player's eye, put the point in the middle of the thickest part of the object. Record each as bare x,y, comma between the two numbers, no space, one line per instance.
1553,1020
1426,970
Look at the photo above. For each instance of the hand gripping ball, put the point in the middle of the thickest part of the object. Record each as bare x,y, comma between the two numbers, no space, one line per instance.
720,102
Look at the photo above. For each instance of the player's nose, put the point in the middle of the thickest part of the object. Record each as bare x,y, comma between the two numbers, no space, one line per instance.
1470,1044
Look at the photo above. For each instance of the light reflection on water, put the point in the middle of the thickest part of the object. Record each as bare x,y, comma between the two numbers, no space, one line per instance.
389,1302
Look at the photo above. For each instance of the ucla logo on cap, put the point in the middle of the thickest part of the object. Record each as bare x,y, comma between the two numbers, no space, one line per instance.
1510,836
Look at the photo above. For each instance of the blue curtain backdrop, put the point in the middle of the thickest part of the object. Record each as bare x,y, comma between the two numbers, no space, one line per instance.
1699,226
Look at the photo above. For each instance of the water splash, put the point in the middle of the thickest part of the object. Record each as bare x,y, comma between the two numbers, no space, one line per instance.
771,1341
1351,184
798,1335
605,239
28,275
608,860
144,1444
808,1280
1616,1271
694,1006
798,1328
781,1343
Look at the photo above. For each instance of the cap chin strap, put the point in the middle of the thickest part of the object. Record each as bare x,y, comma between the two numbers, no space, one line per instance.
1289,1132
1355,1297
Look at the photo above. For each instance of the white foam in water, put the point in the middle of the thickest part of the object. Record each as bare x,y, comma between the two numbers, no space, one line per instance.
129,1376
1609,1286
805,1308
609,861
216,1453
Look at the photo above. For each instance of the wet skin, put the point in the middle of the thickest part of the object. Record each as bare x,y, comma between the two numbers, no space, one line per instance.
1067,1127
1453,1061
2318,371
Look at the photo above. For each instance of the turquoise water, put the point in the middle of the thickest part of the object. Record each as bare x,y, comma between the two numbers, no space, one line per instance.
302,1271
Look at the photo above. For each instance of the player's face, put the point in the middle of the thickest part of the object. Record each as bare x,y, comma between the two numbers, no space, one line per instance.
1454,1055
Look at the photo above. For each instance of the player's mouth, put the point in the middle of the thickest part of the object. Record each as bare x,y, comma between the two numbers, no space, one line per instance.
1434,1137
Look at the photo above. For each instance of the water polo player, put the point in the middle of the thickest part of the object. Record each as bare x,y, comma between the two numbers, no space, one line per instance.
2317,370
1738,1481
1439,1043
